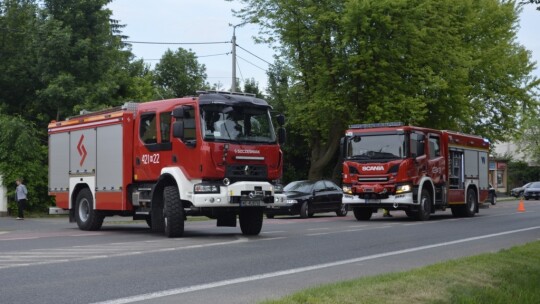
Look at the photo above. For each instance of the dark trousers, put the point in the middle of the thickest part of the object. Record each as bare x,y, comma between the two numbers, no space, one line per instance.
20,205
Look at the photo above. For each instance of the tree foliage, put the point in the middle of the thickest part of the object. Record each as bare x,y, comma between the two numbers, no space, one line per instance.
447,65
179,74
22,155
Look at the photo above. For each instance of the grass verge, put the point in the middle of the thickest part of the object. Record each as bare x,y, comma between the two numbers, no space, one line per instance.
508,276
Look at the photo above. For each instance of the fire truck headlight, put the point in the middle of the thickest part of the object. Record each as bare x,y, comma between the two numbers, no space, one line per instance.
403,188
347,189
206,188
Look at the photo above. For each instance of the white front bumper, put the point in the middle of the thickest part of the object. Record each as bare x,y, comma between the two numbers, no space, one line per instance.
401,199
226,193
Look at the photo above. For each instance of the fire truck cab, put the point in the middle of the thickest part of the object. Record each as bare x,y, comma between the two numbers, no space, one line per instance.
214,155
418,170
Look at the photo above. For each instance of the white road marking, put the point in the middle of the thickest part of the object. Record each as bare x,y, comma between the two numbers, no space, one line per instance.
317,229
182,290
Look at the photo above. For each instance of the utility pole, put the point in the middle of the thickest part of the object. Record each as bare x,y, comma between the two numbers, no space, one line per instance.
233,85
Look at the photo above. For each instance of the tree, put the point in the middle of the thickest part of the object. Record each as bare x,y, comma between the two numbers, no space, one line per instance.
179,74
23,155
537,2
251,86
450,65
18,79
81,57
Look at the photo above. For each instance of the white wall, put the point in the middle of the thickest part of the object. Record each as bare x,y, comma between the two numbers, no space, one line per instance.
3,198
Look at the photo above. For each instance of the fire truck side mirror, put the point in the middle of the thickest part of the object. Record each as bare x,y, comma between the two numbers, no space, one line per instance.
280,120
281,136
342,149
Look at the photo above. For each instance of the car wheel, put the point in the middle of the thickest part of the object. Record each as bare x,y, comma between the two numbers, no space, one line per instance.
494,200
304,210
342,211
270,216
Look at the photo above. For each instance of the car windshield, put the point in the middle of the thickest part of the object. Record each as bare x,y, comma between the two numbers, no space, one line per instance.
534,185
378,147
237,124
299,186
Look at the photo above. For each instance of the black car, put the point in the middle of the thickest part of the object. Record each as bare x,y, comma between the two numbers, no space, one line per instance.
532,192
308,197
517,192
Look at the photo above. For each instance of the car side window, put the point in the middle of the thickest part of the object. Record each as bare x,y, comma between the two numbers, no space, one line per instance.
165,124
319,186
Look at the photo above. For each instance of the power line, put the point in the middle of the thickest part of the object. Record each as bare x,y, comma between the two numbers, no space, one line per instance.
254,55
251,63
177,43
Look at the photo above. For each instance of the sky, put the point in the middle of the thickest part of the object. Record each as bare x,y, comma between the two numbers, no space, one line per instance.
201,21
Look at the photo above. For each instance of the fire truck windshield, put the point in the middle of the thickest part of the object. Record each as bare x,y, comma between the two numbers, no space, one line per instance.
237,124
376,147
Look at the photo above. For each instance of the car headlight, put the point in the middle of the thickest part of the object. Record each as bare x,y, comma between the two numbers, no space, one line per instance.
291,201
206,188
347,189
403,188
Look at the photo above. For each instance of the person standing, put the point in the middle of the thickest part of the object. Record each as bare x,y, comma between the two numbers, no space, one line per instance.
21,196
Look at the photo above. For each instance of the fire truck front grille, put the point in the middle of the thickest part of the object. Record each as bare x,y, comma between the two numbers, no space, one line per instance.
247,173
377,179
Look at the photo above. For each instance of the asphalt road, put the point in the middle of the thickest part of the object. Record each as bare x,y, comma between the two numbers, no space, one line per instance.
51,261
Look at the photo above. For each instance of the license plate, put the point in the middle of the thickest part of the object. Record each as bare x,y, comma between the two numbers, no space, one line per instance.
373,201
251,203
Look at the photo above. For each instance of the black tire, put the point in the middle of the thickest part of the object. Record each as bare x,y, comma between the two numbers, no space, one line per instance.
157,218
251,220
362,214
270,216
149,221
424,211
173,212
471,204
342,211
86,216
493,200
304,210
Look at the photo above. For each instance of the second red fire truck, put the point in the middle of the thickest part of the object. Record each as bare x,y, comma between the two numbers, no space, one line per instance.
215,155
419,170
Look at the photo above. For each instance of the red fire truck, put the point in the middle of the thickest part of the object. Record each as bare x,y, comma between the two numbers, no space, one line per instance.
418,170
214,155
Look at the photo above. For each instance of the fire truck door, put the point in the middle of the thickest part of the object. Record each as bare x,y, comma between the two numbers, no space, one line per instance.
435,167
186,146
154,148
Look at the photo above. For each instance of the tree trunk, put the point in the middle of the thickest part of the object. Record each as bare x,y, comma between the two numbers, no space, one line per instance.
322,153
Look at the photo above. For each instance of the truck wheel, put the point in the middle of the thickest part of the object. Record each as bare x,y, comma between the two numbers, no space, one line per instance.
425,206
173,212
342,211
471,204
251,220
362,214
304,210
87,217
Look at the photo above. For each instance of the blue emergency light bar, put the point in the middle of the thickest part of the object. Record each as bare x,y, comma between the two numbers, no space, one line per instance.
376,125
